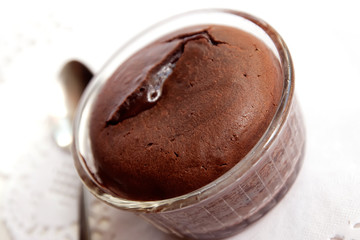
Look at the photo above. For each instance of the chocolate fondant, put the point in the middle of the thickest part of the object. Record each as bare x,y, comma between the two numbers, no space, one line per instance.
182,111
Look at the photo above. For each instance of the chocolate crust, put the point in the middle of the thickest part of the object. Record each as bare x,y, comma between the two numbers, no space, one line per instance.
215,99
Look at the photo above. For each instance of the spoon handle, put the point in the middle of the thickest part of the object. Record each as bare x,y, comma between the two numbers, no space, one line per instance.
84,231
74,77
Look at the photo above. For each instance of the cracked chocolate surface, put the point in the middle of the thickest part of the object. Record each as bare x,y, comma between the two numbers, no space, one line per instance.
149,91
182,111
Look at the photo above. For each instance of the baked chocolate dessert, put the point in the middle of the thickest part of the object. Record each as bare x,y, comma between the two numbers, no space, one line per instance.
182,111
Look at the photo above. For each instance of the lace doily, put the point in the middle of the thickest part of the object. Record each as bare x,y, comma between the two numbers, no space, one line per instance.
109,223
41,197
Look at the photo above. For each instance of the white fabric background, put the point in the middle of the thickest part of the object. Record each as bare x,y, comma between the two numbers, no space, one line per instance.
38,37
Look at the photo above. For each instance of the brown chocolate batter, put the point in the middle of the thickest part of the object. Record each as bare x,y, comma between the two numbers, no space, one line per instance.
182,111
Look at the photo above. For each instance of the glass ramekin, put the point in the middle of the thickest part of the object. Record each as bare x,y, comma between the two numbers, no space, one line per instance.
244,193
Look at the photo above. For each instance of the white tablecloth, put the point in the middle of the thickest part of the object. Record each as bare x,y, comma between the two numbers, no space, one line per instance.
38,185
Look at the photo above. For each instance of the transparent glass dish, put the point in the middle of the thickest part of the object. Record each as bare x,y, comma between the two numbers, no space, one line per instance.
243,194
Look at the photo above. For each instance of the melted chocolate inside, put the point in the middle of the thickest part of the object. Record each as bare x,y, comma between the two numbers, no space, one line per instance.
150,91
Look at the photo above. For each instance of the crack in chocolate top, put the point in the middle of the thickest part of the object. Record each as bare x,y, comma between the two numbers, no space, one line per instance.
182,111
150,91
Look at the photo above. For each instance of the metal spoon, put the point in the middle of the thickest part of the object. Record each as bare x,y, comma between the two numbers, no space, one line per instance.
74,77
